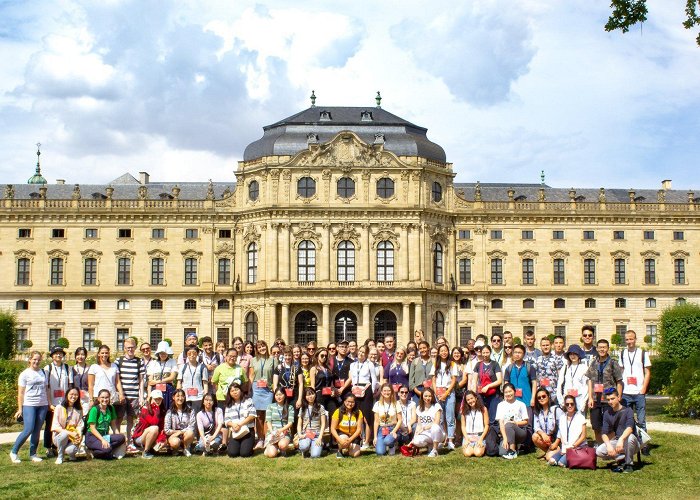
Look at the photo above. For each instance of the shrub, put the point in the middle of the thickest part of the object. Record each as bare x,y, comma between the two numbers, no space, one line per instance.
97,343
616,339
661,370
9,373
8,335
517,340
685,388
680,331
170,342
27,344
62,342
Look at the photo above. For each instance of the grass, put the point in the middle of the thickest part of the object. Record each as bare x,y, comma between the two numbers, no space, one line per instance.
672,469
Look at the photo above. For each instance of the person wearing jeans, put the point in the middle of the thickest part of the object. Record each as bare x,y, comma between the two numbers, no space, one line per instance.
636,375
311,424
444,380
512,417
32,405
387,421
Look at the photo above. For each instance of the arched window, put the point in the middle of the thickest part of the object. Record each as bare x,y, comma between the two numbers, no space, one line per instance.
89,304
305,328
559,303
384,324
438,326
251,327
385,188
253,190
123,304
589,303
528,304
620,303
55,305
22,305
156,304
223,304
190,304
465,304
385,261
651,302
437,192
497,304
306,261
345,326
346,261
437,263
680,301
252,263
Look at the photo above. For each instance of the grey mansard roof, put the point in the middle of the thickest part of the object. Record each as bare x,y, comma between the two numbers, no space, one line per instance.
289,136
126,190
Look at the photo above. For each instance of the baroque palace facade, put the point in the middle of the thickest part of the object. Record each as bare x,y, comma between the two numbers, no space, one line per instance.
342,222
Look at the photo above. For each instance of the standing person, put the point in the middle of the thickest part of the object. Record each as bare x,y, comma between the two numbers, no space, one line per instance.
352,350
211,360
59,379
341,370
571,434
523,377
311,348
210,426
305,368
296,354
531,352
558,344
389,350
636,374
444,377
239,418
227,373
101,419
497,351
418,336
604,374
311,425
149,431
260,373
105,375
512,418
179,424
387,421
507,355
419,375
373,355
346,428
147,360
396,372
193,379
190,341
32,406
589,348
548,367
364,380
67,426
572,378
131,374
80,378
221,348
546,417
244,358
408,415
322,381
163,373
488,381
288,377
429,432
475,425
279,419
619,434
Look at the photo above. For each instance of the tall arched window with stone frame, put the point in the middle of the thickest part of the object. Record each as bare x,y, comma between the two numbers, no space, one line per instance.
438,259
252,254
306,261
385,261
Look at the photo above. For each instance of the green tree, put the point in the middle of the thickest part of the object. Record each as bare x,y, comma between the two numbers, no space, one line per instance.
680,331
627,13
8,334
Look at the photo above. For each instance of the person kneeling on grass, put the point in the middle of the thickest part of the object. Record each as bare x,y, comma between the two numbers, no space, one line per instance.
619,434
239,419
546,416
512,417
101,419
210,424
387,421
148,433
67,425
429,432
311,424
179,424
279,419
346,428
475,425
571,434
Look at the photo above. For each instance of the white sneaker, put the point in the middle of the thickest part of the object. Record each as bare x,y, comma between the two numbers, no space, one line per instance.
14,458
433,453
157,447
364,447
36,458
259,445
186,452
59,461
450,445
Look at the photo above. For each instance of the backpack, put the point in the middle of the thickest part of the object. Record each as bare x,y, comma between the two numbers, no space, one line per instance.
622,359
201,372
65,368
138,365
485,379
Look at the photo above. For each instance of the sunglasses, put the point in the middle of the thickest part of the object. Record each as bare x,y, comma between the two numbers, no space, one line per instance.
587,335
569,404
403,392
543,397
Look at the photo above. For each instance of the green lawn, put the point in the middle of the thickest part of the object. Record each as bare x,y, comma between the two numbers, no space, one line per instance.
672,470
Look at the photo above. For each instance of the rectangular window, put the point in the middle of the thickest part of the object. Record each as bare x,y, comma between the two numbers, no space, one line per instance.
346,261
158,233
651,332
465,333
224,274
252,263
496,271
557,234
224,233
157,271
155,336
528,235
24,233
191,233
54,335
190,271
618,235
559,274
648,235
122,334
56,271
465,271
222,335
678,236
589,271
124,233
679,271
20,336
496,234
620,274
124,271
560,330
187,330
528,272
621,330
91,233
465,234
89,339
528,328
497,330
23,268
649,271
385,262
90,271
589,235
58,233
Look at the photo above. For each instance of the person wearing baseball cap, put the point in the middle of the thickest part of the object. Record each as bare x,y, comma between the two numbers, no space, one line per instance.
148,433
190,341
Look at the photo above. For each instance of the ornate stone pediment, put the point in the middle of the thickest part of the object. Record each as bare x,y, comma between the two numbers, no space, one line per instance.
157,253
25,254
465,249
650,254
306,232
91,254
124,253
56,253
346,150
346,233
619,254
251,235
680,254
528,254
559,254
225,250
385,233
191,254
590,254
439,233
497,254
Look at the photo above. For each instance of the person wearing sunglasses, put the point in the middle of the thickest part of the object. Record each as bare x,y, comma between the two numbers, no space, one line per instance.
571,433
261,371
407,407
588,343
332,351
507,356
546,415
322,382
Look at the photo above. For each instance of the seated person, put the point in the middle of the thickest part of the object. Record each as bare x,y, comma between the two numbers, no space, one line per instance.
619,434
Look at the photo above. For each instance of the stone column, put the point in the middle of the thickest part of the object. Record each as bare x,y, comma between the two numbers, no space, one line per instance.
405,253
368,259
418,319
405,335
274,261
324,337
364,332
272,306
237,325
285,253
285,324
452,332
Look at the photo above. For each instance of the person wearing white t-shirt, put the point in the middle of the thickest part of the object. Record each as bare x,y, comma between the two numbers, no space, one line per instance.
429,433
444,376
512,417
407,407
32,405
572,378
571,434
636,374
105,375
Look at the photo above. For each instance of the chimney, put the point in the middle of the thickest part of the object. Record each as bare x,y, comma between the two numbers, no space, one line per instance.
666,184
143,178
60,181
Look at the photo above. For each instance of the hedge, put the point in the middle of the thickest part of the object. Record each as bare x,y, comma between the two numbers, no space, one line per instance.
661,370
9,373
679,329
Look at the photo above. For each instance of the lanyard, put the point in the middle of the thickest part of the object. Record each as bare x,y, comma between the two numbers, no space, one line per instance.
339,365
177,417
59,375
262,367
404,414
360,366
386,412
545,427
631,360
517,373
80,376
569,421
442,373
211,419
191,372
573,375
162,369
601,368
238,411
473,414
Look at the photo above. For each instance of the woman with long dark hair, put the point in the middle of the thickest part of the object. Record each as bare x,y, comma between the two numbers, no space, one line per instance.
387,421
311,425
67,425
444,376
429,432
488,381
239,419
148,433
546,416
364,381
179,424
279,419
210,423
475,425
322,381
101,420
512,417
346,428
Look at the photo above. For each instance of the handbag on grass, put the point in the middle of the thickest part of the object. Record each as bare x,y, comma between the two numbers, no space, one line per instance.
583,457
243,431
643,436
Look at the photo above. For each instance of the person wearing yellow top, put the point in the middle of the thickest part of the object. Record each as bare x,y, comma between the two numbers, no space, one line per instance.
346,428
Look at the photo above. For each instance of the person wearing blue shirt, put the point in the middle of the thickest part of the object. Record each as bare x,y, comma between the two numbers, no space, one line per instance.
522,376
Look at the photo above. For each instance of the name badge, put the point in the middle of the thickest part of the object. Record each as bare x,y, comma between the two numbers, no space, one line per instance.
289,392
396,387
385,431
441,391
310,434
545,382
518,393
597,387
192,391
326,391
339,383
160,387
358,391
631,380
58,393
262,383
572,392
427,383
84,395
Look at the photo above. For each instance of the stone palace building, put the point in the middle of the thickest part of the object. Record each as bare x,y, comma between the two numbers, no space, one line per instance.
342,222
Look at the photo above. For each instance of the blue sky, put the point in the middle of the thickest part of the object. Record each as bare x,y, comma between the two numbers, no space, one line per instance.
507,87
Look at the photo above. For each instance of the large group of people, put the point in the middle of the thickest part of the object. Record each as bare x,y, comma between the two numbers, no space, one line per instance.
490,397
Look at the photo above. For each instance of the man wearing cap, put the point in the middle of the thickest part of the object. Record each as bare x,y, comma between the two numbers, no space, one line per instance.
190,341
619,434
604,375
226,373
132,371
59,379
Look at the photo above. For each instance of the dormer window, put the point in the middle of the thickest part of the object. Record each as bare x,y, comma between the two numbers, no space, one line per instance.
98,196
165,196
522,197
325,116
366,116
580,198
34,196
639,199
